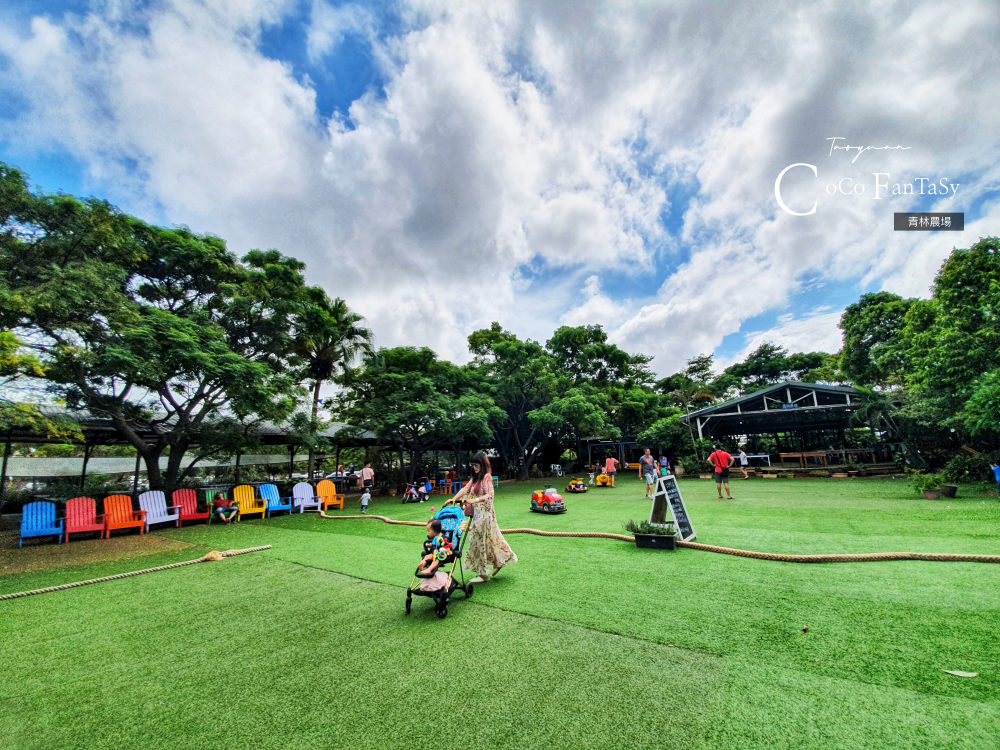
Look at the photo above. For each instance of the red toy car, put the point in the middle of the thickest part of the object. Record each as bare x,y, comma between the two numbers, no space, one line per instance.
547,501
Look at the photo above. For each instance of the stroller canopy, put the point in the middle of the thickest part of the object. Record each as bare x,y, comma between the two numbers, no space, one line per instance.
451,518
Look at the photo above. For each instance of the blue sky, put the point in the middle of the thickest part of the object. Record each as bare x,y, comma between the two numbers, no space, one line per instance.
442,165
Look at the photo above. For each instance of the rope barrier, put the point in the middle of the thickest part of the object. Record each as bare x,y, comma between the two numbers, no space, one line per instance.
845,558
210,557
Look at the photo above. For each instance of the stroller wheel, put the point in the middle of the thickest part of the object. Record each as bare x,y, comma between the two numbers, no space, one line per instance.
468,590
442,611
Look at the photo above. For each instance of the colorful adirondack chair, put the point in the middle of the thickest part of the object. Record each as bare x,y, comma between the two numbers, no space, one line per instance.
303,497
118,514
39,519
327,490
187,501
274,500
155,505
81,515
247,503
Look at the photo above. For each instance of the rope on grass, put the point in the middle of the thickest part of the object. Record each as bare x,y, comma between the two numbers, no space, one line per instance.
847,558
867,557
210,557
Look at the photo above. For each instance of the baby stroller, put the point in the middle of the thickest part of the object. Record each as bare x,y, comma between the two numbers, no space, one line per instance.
453,528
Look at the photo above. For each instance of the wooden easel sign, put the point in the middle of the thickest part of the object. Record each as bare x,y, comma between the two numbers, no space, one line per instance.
667,499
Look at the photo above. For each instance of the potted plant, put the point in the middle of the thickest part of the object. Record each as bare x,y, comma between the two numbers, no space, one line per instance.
652,536
929,485
949,490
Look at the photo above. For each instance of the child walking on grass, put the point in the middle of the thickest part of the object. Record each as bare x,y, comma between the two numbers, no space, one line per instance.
364,500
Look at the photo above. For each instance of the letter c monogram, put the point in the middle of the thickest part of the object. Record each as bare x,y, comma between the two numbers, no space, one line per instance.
777,190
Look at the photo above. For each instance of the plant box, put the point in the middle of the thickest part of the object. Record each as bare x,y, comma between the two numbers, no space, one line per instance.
932,494
839,476
770,476
948,490
704,476
656,541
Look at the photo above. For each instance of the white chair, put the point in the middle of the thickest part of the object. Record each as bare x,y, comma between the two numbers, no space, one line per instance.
157,510
304,497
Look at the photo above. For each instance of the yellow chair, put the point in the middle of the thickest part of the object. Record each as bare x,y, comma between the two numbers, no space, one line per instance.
244,498
327,492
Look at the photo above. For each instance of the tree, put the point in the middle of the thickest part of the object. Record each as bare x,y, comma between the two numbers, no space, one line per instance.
585,354
873,353
666,434
520,377
769,364
415,402
327,335
581,412
161,330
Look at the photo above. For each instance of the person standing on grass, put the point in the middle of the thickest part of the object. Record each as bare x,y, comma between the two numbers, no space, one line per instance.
365,498
743,463
486,546
647,470
367,477
721,461
611,468
664,464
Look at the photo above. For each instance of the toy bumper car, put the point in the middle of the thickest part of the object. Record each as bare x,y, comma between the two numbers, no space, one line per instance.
547,501
576,485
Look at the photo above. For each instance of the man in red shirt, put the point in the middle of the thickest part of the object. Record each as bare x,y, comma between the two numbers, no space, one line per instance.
721,461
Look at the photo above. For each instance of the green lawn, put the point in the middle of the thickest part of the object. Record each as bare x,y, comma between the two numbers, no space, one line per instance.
583,643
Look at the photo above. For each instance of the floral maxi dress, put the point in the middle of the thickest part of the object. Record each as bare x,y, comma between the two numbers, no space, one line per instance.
486,544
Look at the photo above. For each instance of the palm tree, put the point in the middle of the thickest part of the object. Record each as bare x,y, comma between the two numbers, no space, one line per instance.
328,336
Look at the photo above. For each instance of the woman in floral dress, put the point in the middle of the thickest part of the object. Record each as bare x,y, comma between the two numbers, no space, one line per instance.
486,546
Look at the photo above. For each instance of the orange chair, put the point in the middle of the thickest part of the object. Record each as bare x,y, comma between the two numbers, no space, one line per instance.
327,492
81,515
247,502
118,514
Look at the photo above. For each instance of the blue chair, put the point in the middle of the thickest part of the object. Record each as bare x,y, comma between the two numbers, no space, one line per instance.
274,501
39,519
496,482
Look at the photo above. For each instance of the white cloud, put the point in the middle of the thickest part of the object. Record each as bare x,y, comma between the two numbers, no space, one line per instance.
329,25
517,135
816,332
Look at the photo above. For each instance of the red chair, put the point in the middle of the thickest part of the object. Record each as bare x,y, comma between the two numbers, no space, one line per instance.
188,502
81,515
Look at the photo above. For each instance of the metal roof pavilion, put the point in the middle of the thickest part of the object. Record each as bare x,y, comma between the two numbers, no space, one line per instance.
98,430
789,406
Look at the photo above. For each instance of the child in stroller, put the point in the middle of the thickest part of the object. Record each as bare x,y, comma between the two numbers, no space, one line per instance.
445,540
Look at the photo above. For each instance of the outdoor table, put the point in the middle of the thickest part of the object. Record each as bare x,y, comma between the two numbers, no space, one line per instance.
804,456
759,457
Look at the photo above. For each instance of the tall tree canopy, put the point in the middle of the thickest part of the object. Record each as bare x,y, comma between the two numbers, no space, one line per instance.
415,402
872,356
163,331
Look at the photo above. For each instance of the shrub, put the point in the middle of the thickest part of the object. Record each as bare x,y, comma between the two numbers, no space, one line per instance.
969,468
644,527
927,482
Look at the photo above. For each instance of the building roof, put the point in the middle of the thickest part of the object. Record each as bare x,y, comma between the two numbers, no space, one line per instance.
100,430
783,407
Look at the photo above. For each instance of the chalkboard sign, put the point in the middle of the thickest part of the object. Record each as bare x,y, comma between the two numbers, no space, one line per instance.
667,498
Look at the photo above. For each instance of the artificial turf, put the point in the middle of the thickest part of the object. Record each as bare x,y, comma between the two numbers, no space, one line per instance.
582,643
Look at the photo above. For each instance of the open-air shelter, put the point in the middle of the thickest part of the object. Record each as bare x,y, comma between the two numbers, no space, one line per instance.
806,420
